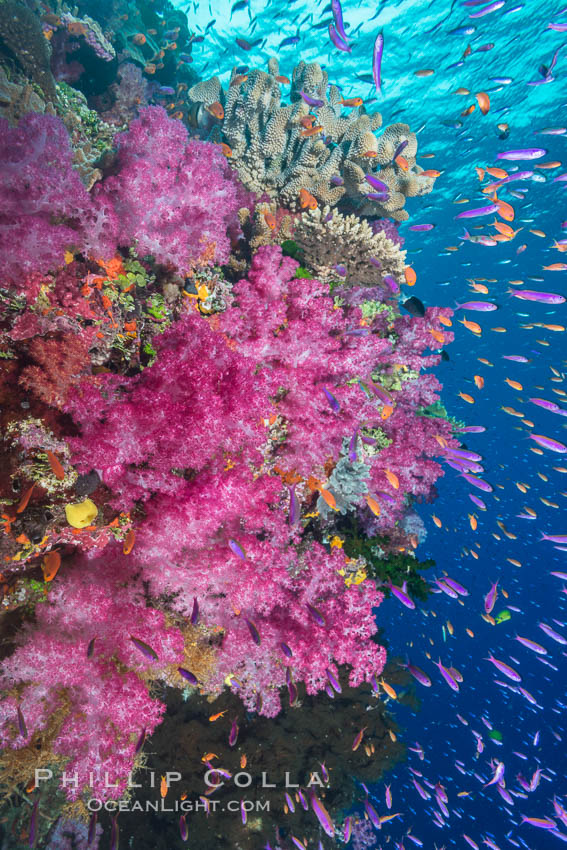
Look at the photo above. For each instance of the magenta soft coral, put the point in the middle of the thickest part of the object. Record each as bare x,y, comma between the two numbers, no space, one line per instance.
43,204
174,198
103,701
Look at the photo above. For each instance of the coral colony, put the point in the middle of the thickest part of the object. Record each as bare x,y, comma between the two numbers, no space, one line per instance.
207,387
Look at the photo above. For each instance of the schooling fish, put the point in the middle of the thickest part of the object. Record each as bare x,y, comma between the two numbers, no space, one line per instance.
338,41
525,153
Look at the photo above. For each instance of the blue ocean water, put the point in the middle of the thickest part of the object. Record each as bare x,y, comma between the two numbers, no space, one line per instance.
506,48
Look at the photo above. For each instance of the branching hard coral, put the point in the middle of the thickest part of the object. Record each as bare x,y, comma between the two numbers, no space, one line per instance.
274,150
338,247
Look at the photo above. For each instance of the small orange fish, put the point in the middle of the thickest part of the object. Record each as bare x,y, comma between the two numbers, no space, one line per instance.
373,505
499,173
163,787
389,689
310,131
239,79
25,499
505,210
358,739
466,397
393,479
150,68
369,154
552,164
410,275
76,28
216,110
444,320
50,565
430,172
352,101
424,72
55,465
555,267
514,384
129,541
473,523
437,521
209,756
281,79
270,220
402,162
437,336
226,149
467,52
306,199
483,101
479,381
473,327
214,717
178,115
468,111
243,761
307,121
469,632
328,498
462,91
139,38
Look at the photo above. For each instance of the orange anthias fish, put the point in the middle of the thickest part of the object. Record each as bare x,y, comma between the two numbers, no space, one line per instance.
479,381
270,220
430,172
226,149
243,761
55,465
129,541
328,498
402,162
393,479
50,565
283,80
352,101
358,739
216,110
373,505
474,327
163,787
483,101
306,200
214,717
311,131
410,275
389,689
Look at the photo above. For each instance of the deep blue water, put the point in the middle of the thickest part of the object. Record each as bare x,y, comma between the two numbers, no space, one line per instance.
419,35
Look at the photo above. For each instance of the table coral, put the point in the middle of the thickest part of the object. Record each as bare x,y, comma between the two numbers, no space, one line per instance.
274,152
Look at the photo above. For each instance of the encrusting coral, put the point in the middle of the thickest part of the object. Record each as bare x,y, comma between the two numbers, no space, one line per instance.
310,143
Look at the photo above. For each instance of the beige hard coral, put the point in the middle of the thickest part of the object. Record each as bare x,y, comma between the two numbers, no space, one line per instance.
274,153
329,239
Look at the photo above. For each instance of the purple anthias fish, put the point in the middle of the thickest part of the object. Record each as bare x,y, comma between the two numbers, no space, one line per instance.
334,681
547,405
419,676
531,644
339,43
462,591
479,306
335,406
401,147
479,211
554,538
289,801
377,196
476,501
294,507
452,682
316,615
477,482
551,633
195,612
352,445
490,598
524,153
376,183
144,648
188,675
548,443
518,175
237,549
487,9
401,594
498,774
254,633
421,227
505,669
464,453
233,734
322,815
338,17
372,813
447,590
391,283
472,429
517,358
377,62
541,297
425,795
311,101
